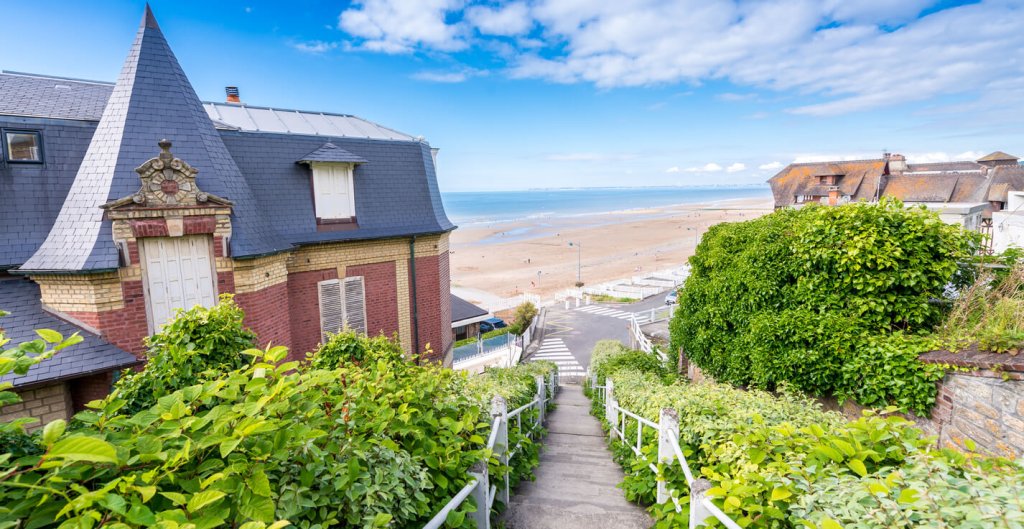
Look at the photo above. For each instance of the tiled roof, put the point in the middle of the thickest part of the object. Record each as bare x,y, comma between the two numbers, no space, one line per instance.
396,191
998,156
20,297
52,97
921,188
464,310
151,100
859,181
330,152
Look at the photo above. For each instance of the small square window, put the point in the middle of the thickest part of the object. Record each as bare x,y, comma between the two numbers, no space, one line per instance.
23,146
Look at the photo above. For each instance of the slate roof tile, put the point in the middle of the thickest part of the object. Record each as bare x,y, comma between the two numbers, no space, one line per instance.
20,297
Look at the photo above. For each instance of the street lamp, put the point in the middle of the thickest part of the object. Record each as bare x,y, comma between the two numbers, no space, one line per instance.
579,261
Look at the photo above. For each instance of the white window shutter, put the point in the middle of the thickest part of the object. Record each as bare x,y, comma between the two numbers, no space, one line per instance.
332,311
355,304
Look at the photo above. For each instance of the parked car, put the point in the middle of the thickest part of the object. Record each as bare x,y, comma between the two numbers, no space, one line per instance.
490,324
670,298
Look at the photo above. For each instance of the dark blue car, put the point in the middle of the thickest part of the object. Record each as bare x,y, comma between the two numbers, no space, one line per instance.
490,324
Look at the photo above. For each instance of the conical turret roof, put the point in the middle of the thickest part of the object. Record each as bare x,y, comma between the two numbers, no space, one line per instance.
152,100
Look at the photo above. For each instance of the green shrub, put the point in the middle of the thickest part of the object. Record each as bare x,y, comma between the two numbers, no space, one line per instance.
196,345
989,313
925,492
524,314
352,348
780,461
799,296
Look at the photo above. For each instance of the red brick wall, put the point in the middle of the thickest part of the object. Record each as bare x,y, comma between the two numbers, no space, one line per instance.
87,389
304,310
433,294
225,282
266,313
126,327
381,296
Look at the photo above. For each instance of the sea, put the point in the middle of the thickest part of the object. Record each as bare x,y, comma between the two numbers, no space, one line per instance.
482,207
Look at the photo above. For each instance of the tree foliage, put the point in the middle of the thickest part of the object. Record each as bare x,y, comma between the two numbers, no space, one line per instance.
799,296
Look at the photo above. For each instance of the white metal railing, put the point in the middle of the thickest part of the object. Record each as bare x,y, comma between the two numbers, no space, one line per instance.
640,341
513,302
702,508
479,486
508,353
653,315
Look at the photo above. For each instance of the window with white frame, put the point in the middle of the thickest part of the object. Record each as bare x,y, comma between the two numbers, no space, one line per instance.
342,306
333,191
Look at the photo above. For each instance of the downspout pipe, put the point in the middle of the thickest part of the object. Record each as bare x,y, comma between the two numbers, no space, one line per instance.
415,301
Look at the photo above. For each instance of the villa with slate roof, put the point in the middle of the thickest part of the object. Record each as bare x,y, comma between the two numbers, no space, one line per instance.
121,203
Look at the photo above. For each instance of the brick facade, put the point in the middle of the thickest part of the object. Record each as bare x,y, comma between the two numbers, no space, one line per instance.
87,389
266,313
46,403
304,309
381,291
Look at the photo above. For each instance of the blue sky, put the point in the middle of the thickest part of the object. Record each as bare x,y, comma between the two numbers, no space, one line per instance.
565,93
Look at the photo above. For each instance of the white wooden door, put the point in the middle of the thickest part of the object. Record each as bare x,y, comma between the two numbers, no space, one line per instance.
333,191
179,274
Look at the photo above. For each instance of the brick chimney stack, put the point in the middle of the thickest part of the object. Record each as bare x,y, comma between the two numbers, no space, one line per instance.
232,93
897,163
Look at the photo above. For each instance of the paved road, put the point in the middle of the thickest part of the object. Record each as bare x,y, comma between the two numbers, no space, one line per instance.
569,335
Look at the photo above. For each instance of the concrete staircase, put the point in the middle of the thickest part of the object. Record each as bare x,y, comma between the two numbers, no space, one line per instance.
576,480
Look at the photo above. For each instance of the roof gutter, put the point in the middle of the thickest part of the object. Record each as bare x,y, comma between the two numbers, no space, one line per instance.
415,308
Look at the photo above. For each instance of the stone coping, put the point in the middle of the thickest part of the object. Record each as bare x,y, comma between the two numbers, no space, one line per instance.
972,358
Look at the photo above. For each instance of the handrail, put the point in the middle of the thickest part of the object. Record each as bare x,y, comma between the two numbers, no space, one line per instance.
479,486
438,520
702,508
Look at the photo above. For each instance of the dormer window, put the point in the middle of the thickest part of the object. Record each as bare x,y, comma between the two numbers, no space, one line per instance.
334,192
333,180
23,146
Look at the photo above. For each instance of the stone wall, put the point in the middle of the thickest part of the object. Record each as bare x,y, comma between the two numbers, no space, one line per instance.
46,403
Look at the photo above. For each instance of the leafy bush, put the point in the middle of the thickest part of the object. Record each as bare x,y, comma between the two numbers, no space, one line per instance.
373,441
351,348
196,345
780,461
524,314
925,492
799,295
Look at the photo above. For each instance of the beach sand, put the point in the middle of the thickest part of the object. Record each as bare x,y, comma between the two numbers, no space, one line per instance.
534,256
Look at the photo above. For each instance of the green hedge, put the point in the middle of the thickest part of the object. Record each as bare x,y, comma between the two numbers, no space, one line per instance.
358,437
807,297
781,461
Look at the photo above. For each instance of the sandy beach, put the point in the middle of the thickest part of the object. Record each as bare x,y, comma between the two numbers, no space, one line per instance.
534,256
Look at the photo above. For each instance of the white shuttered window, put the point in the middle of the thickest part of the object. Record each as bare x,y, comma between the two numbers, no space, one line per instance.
333,190
342,305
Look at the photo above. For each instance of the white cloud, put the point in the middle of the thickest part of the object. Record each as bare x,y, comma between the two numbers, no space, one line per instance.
710,167
673,169
736,167
834,157
771,166
589,157
453,76
402,26
314,46
841,55
940,156
508,20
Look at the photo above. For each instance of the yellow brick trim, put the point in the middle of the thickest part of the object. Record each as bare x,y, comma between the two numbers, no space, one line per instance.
404,308
253,275
81,293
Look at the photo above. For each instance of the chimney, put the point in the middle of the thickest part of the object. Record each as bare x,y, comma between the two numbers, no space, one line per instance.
232,93
897,164
833,195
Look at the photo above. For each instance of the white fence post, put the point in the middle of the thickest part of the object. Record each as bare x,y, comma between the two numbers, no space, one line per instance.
609,407
698,512
541,405
480,494
500,409
668,425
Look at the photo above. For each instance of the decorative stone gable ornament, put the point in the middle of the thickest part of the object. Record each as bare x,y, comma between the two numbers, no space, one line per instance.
168,182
